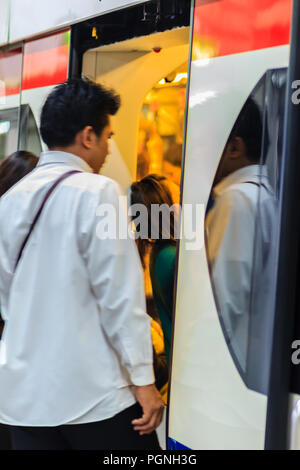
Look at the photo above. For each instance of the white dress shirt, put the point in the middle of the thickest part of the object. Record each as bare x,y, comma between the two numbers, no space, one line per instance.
230,227
76,333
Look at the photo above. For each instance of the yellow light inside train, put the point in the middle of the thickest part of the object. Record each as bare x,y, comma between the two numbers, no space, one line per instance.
179,77
95,32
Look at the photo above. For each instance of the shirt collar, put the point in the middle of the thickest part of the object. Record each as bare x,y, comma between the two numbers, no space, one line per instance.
251,173
65,158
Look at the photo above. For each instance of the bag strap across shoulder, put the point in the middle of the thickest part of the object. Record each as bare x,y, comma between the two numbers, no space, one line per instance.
49,192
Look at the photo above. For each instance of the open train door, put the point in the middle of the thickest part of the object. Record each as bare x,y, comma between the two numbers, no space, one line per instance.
235,349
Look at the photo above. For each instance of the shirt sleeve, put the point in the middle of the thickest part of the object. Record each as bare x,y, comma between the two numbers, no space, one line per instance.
116,278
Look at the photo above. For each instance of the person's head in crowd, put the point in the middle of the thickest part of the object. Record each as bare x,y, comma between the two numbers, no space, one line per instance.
172,163
143,165
15,167
76,118
153,189
243,147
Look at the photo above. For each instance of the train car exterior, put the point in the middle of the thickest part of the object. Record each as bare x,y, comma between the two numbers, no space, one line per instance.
24,19
226,330
225,382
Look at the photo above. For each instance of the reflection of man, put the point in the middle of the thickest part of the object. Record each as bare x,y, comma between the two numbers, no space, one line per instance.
230,225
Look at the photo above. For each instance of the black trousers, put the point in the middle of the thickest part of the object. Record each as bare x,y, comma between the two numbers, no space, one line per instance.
4,437
115,433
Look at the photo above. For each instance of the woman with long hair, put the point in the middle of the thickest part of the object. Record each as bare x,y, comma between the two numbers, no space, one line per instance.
154,190
15,167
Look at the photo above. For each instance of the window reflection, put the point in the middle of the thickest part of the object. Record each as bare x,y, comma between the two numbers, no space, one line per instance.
241,228
19,123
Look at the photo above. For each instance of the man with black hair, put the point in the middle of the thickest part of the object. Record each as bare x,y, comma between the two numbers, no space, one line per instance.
76,354
230,225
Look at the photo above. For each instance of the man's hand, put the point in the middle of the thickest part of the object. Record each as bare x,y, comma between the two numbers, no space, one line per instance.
153,407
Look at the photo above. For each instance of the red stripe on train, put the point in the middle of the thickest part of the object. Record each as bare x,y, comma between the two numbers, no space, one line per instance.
226,27
45,68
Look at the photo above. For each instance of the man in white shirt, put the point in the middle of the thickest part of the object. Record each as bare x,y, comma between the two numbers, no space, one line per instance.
76,353
231,224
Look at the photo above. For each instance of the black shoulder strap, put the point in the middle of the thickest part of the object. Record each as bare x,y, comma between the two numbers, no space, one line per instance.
252,182
257,184
49,192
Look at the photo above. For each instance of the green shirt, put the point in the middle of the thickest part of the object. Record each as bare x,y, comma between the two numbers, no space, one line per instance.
162,272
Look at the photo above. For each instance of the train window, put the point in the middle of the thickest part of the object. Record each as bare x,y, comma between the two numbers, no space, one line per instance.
29,138
241,229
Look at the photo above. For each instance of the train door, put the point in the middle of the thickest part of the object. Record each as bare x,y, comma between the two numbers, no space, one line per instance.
226,315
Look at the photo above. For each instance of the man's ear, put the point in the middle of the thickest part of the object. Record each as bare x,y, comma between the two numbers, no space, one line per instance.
236,148
86,137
